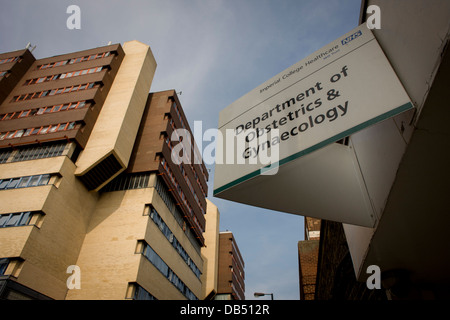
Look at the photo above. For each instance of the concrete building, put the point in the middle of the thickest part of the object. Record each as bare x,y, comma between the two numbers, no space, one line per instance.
93,207
404,163
231,276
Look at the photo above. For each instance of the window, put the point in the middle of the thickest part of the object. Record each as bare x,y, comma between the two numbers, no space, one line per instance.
8,116
4,183
53,64
169,200
13,183
24,113
7,60
10,135
194,150
40,94
39,130
39,152
76,60
142,294
24,182
55,108
44,130
4,156
15,219
154,215
71,61
19,133
79,72
128,182
33,181
44,180
184,200
43,110
156,260
159,264
3,265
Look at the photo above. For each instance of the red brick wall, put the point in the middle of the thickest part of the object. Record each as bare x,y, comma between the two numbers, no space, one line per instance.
308,252
231,275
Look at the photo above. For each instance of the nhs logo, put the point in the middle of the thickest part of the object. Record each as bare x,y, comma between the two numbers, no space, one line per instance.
352,37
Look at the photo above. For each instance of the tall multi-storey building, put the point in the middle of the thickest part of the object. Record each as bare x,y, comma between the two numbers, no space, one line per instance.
92,205
210,252
231,276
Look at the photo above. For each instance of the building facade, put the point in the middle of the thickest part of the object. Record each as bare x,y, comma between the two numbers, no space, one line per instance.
93,207
335,276
404,164
308,251
210,252
231,276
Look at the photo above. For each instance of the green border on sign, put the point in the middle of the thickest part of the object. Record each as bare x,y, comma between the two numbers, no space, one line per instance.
319,145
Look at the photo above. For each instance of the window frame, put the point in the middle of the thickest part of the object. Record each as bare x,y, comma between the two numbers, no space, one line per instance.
20,219
4,263
30,181
57,91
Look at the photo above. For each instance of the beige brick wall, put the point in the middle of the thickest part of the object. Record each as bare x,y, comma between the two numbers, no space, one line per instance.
210,252
165,250
108,258
47,250
118,122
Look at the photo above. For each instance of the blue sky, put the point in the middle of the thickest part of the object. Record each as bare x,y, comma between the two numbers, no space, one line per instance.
214,51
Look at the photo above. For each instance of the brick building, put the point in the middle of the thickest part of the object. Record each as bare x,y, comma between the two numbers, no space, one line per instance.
308,251
87,180
404,164
231,276
336,278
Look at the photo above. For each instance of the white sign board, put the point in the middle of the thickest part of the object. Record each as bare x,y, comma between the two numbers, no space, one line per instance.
342,88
